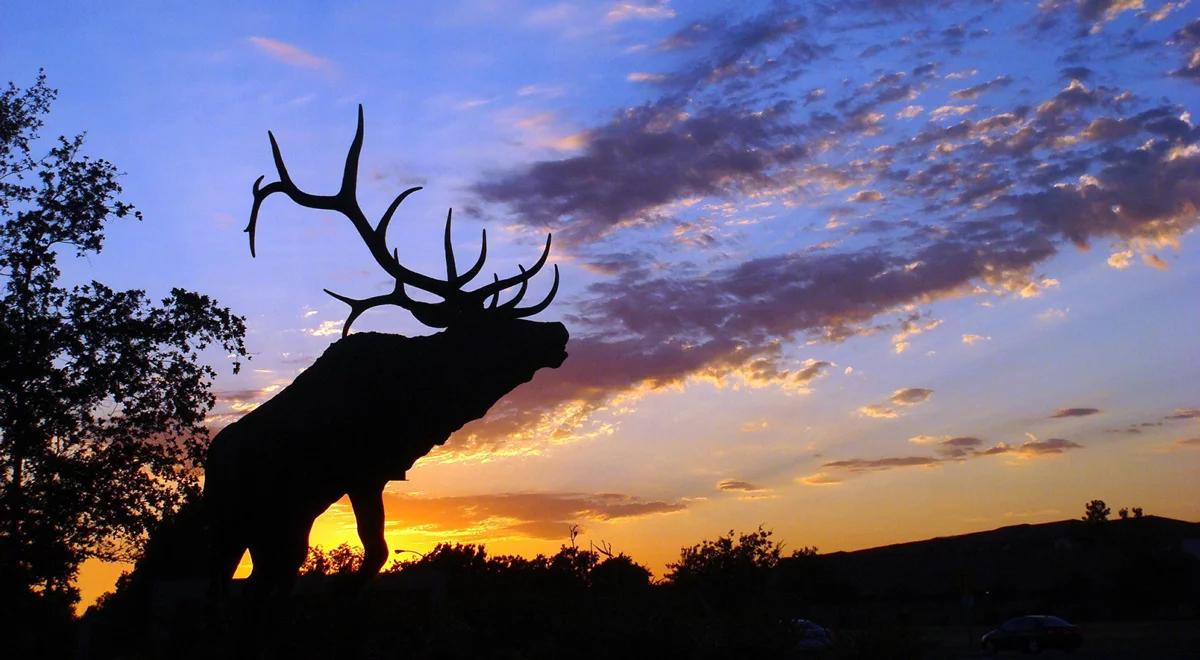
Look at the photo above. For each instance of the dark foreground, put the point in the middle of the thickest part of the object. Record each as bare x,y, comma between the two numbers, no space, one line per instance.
1132,587
418,619
417,616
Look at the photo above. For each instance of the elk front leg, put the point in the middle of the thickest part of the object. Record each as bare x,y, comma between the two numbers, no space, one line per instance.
367,502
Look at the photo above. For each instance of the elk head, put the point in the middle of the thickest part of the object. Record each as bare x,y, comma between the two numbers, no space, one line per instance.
459,309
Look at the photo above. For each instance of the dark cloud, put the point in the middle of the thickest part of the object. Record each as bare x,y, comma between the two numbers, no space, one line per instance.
536,515
975,91
960,447
1077,73
863,464
645,158
686,37
910,396
739,49
1185,413
950,450
239,395
736,485
1074,412
811,371
1188,442
1050,446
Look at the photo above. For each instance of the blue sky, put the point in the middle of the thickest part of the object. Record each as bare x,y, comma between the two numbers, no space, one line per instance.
862,272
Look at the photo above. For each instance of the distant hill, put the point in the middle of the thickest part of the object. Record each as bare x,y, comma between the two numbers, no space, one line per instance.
1120,569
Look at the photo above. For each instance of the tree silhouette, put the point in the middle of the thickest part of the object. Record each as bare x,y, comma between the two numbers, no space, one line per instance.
1096,511
102,392
343,559
1123,513
1137,512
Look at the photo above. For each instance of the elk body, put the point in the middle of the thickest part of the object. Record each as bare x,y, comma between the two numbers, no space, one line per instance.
371,405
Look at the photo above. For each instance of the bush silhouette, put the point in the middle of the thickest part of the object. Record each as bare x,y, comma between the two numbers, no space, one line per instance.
1096,511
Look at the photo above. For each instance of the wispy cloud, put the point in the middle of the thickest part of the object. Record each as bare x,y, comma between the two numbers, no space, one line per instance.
1054,314
1074,412
1185,413
643,76
948,450
624,11
293,55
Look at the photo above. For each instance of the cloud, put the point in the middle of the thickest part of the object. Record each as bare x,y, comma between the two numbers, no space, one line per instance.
946,111
1054,314
1120,260
327,329
811,370
971,339
539,90
910,396
738,486
820,479
1050,446
1188,38
862,464
471,104
645,158
623,11
977,202
927,439
866,196
1074,412
293,55
912,324
878,411
975,91
641,76
960,447
239,402
1092,14
948,449
523,515
1188,443
1184,413
238,395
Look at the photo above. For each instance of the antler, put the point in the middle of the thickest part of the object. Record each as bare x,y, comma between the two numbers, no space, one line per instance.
458,306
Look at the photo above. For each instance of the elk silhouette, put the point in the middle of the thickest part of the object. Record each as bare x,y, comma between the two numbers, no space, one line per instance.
372,404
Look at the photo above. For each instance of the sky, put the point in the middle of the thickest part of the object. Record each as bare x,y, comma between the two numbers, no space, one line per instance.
859,272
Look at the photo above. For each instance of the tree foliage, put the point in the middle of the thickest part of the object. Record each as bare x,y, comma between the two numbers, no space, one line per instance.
1096,511
103,393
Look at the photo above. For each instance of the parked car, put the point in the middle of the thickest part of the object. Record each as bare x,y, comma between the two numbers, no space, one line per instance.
811,636
1032,634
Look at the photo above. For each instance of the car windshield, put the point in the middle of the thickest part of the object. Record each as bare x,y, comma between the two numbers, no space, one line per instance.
1055,622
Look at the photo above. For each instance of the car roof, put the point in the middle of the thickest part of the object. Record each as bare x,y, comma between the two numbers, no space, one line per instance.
1049,618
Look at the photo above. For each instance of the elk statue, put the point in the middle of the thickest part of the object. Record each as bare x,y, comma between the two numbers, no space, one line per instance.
372,404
